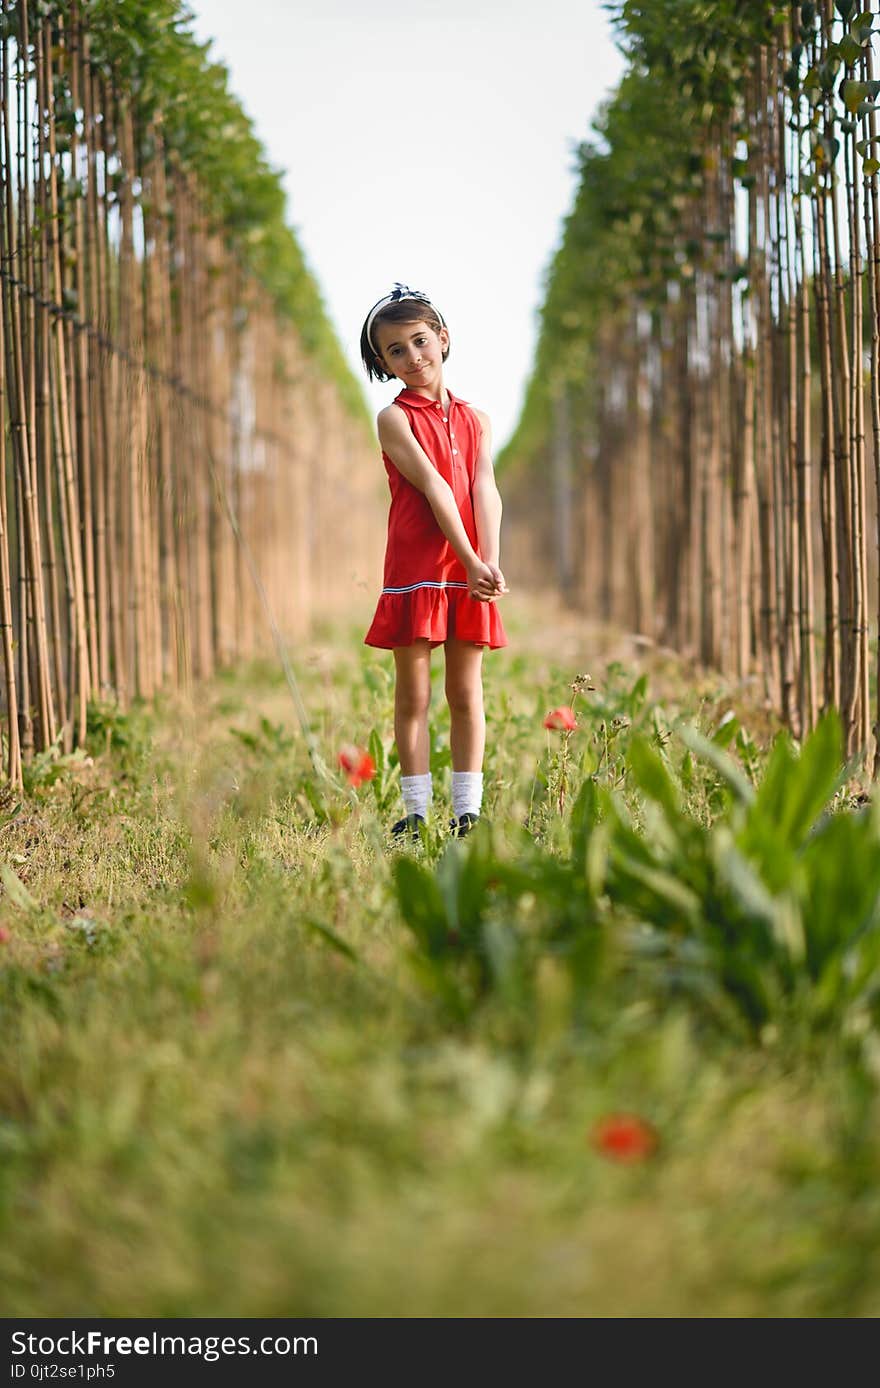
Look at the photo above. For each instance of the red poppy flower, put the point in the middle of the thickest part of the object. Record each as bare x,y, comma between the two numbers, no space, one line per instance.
625,1137
561,718
5,935
357,764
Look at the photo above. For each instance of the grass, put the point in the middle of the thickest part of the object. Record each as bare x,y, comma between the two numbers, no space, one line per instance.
225,1091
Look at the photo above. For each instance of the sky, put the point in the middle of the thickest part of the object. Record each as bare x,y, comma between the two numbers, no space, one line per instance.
431,143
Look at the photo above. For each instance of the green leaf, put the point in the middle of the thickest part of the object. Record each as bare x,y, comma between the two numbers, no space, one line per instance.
16,890
841,886
795,790
314,797
745,884
376,749
860,29
462,887
652,777
850,50
421,904
584,819
664,895
335,941
870,167
725,766
828,71
504,955
726,731
637,694
686,772
854,94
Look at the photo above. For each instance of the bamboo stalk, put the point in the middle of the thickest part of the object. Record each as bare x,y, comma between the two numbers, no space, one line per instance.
79,675
13,746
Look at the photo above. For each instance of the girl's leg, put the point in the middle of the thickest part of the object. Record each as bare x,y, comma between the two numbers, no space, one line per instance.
412,699
464,694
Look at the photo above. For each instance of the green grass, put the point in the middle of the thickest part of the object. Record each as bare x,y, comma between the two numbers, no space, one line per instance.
226,1090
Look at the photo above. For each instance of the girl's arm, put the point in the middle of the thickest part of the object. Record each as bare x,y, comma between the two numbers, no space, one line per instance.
407,454
487,501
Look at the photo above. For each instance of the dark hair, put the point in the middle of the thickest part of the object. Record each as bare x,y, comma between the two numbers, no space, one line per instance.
403,311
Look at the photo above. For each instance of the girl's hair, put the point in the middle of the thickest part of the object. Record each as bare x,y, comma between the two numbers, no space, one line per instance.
404,311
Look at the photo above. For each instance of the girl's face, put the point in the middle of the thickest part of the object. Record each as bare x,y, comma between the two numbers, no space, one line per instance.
413,352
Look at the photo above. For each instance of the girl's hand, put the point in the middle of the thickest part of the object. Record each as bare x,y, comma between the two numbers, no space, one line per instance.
485,581
500,583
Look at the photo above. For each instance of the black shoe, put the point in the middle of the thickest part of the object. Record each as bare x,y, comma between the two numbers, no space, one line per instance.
409,825
463,824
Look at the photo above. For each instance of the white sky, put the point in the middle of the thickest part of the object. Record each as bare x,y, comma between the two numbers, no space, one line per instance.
431,143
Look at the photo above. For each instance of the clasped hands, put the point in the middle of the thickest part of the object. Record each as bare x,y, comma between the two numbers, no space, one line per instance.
486,582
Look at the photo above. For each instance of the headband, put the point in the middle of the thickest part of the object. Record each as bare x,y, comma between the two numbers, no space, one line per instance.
400,291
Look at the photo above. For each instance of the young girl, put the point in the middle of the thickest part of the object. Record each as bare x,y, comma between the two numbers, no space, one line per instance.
442,578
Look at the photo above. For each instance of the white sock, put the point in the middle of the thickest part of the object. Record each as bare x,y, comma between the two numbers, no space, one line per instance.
416,792
467,792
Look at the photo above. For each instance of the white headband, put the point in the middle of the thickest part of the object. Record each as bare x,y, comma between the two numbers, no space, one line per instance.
400,291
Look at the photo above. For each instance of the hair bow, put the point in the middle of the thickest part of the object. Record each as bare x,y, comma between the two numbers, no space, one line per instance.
400,291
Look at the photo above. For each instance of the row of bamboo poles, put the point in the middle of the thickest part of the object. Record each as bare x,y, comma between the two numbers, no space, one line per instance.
723,448
159,423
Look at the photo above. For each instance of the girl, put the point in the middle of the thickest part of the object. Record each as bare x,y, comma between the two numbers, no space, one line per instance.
442,578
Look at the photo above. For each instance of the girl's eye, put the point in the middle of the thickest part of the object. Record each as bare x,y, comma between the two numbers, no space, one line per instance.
419,341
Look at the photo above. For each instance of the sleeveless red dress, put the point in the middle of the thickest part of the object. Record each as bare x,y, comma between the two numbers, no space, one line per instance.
425,590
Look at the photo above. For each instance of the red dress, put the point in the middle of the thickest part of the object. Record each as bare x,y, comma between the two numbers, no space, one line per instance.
425,592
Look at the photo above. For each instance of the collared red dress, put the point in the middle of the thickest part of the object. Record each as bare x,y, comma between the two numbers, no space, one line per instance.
425,591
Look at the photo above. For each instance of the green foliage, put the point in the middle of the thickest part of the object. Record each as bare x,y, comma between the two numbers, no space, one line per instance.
385,785
15,890
271,739
751,892
148,50
49,766
127,734
767,914
482,924
625,235
636,235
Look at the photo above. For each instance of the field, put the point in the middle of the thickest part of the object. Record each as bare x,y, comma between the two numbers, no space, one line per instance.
258,1064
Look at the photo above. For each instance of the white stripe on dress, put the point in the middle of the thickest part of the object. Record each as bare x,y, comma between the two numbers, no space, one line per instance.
427,583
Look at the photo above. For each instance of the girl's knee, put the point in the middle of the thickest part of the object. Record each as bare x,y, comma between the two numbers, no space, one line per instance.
465,699
412,694
412,703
